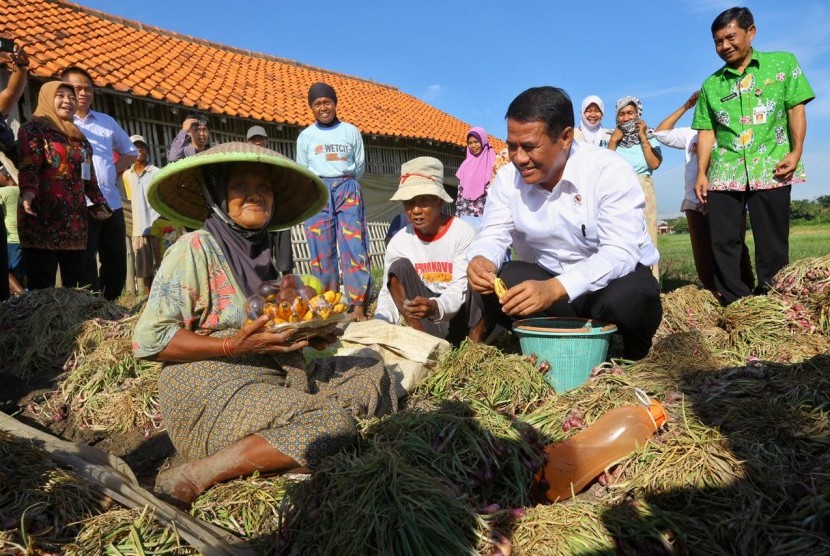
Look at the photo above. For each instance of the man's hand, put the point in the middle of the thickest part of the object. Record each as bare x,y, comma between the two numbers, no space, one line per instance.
100,212
531,297
252,338
420,308
26,200
481,273
702,188
785,169
189,124
18,57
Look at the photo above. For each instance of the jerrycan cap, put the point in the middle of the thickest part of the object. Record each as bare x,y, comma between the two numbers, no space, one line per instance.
655,409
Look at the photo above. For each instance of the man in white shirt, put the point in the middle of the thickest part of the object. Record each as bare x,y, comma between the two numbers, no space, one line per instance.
105,237
425,266
577,211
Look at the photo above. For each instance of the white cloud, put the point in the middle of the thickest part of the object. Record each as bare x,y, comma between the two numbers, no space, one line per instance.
807,36
433,92
706,6
674,91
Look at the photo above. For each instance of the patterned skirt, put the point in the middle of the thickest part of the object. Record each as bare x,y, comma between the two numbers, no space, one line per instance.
650,213
306,414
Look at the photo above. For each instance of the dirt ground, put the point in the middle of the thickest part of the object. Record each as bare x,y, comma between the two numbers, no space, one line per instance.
144,455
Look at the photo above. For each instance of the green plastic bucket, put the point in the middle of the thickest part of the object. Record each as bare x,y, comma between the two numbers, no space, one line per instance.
572,347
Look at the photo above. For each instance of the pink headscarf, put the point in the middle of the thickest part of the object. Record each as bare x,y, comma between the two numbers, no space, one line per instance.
474,173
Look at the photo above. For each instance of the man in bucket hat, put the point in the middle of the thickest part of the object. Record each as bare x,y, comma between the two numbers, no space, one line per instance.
424,274
146,247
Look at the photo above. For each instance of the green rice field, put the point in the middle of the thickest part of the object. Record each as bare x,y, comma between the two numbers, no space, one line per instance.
677,267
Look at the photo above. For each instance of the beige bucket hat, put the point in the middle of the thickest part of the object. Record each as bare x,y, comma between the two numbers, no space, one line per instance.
421,176
176,191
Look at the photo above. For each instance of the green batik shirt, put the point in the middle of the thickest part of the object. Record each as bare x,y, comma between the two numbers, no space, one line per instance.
748,113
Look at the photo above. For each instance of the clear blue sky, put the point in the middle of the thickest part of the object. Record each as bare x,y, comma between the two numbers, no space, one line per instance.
470,59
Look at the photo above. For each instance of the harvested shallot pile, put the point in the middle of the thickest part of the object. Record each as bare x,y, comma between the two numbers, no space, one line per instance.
743,466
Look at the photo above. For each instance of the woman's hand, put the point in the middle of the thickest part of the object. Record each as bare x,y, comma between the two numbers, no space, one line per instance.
323,341
691,102
252,338
642,131
26,200
616,137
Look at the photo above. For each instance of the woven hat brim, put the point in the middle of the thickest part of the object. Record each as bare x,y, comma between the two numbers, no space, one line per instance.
176,191
410,191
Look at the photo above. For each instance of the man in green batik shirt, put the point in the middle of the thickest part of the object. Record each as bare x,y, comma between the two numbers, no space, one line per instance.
751,125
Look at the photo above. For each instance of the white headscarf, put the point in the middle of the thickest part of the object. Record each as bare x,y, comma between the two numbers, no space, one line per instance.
592,133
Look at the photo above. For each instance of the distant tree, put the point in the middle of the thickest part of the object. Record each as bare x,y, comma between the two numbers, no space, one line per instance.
679,225
804,211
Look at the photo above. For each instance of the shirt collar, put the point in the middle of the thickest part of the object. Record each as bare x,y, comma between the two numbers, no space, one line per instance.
89,116
753,61
144,171
569,174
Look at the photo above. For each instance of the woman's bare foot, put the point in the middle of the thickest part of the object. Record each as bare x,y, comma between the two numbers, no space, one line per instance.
358,314
175,486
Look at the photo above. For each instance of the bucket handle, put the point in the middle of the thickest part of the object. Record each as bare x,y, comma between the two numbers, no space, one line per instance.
583,330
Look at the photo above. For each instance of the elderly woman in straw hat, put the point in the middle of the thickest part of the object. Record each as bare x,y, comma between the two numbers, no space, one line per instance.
237,398
424,270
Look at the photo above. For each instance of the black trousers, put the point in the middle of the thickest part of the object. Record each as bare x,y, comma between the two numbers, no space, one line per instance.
106,240
769,212
42,267
632,302
459,324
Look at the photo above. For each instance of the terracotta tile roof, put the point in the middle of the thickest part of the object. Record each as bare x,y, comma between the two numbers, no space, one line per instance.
133,58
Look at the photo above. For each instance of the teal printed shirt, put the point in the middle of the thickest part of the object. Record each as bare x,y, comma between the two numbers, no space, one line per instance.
748,113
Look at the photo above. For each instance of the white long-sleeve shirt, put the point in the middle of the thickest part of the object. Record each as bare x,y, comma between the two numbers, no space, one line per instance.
684,138
441,264
589,230
105,136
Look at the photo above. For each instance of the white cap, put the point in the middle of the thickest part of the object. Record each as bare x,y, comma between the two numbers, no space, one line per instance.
256,131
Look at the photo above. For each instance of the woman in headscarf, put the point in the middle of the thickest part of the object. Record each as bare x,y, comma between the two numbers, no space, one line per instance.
55,178
636,143
235,397
474,176
590,129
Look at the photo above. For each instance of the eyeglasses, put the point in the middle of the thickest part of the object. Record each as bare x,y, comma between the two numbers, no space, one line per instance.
82,89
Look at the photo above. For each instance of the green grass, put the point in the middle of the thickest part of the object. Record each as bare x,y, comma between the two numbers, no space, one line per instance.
677,268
